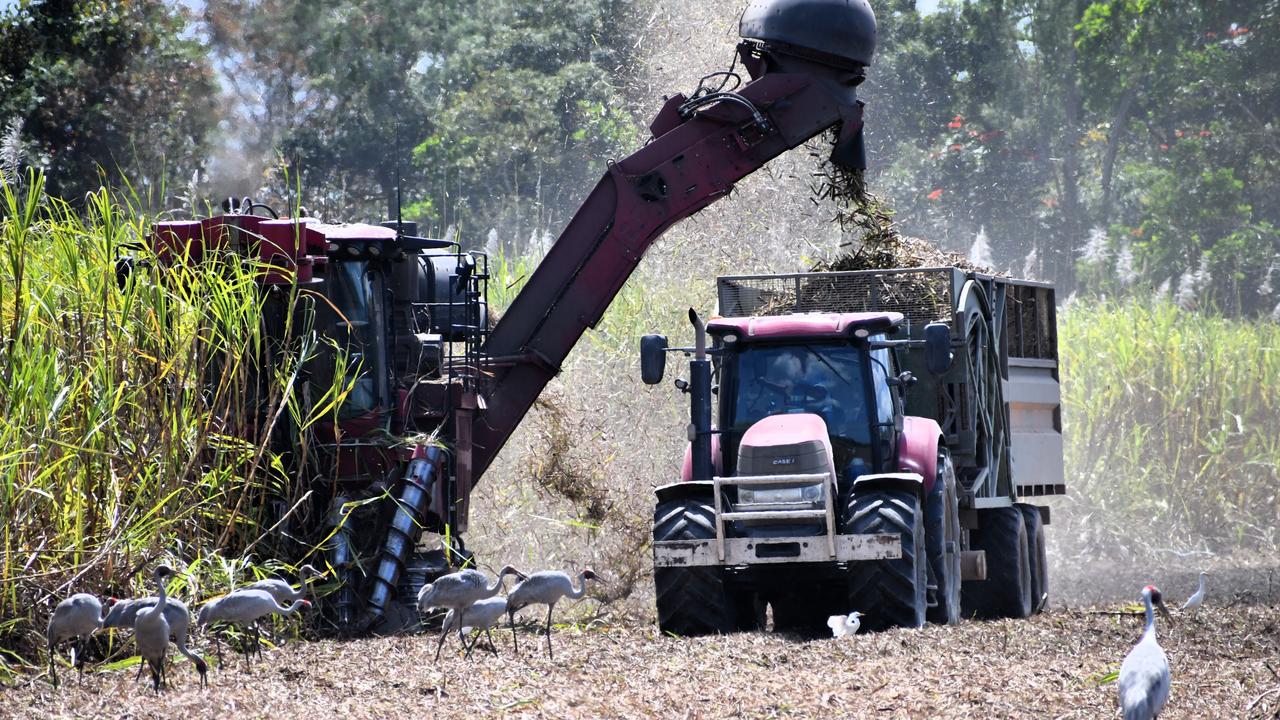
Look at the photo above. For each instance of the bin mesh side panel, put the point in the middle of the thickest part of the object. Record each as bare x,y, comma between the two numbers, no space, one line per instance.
921,296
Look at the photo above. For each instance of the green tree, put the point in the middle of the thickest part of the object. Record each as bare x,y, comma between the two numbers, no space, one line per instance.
105,91
529,112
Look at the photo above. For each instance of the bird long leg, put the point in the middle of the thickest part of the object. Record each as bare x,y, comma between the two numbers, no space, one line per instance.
550,654
475,638
492,648
53,670
511,616
439,644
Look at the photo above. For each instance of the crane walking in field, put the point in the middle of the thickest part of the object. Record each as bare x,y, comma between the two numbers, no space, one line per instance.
151,631
460,590
244,608
481,615
1144,675
1194,602
124,613
545,588
844,625
75,618
282,591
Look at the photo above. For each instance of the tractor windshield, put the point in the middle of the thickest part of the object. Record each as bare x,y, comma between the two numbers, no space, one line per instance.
824,379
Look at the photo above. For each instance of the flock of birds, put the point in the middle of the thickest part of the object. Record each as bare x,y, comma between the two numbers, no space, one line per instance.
471,599
474,602
1144,678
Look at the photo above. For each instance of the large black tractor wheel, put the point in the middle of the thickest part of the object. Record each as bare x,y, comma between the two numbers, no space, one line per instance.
691,600
942,533
1006,593
890,592
1038,554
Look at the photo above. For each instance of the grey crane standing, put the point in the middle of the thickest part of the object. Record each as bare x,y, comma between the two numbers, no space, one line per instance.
245,607
151,630
76,618
459,590
1144,674
480,615
545,588
282,591
124,613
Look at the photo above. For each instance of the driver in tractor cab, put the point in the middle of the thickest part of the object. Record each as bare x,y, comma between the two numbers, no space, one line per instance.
799,380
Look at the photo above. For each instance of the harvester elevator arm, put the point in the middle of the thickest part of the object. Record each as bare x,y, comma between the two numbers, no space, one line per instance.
699,151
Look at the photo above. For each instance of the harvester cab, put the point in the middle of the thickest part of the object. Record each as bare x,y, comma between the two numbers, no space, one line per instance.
383,329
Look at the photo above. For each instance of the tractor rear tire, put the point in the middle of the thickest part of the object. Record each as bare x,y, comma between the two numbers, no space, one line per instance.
1038,554
1006,593
691,600
942,525
890,592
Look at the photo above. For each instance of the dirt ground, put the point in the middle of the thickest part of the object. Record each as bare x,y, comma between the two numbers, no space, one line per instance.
1225,664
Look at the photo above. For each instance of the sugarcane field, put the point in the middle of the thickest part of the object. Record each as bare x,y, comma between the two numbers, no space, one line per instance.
639,359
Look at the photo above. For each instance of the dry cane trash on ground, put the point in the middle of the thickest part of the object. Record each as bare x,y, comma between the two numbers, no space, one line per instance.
1053,665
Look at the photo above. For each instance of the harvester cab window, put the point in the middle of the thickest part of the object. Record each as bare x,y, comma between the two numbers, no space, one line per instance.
355,295
826,380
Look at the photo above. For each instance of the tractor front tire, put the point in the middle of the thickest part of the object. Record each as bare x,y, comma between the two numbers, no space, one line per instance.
890,592
1006,593
691,600
1038,554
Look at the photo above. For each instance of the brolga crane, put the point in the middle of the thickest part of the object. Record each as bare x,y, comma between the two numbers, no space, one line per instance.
124,613
843,625
151,630
75,618
244,608
1144,675
282,591
481,615
459,590
545,588
1194,602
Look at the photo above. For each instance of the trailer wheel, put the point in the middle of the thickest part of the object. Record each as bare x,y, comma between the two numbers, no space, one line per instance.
942,523
691,600
1038,554
1006,593
890,592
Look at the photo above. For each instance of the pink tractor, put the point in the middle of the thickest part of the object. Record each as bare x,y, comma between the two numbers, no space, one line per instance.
862,456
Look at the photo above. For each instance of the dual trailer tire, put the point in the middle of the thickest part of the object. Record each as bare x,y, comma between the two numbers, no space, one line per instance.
696,600
1037,553
1006,593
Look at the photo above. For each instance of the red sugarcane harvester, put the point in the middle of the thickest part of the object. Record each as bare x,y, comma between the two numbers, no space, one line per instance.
410,317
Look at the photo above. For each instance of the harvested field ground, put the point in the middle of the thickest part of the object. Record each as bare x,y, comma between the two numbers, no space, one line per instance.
1050,666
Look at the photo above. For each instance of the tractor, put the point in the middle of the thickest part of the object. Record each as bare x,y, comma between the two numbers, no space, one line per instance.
875,437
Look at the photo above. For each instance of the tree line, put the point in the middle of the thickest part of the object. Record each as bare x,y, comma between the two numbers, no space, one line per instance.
1116,146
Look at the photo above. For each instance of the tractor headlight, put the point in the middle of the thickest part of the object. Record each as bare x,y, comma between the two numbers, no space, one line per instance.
746,495
812,493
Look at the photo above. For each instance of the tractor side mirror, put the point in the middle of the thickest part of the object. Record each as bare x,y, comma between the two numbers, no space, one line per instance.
937,347
653,358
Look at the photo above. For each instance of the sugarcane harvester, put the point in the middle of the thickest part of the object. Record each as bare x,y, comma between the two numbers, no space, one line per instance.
412,314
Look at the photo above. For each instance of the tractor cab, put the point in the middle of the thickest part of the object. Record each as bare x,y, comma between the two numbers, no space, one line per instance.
834,367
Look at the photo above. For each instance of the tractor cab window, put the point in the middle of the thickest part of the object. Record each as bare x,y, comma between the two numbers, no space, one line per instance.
881,370
823,379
